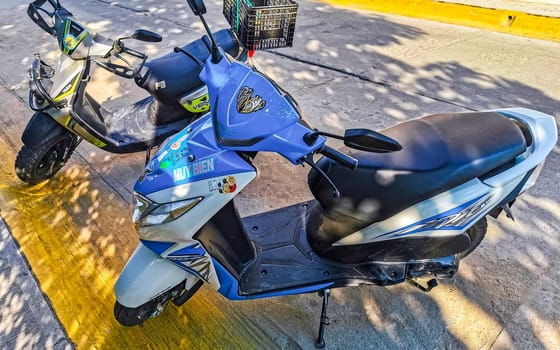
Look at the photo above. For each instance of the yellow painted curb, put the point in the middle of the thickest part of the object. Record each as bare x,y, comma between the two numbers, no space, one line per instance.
506,21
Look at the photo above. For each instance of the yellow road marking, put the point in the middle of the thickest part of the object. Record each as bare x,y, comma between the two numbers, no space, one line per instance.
506,21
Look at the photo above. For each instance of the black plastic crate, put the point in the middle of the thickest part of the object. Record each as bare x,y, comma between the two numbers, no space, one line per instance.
262,24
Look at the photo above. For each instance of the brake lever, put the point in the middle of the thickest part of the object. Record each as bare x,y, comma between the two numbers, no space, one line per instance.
119,56
309,160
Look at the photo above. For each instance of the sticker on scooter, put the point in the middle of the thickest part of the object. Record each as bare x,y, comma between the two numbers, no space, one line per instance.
196,102
247,103
70,42
194,169
226,185
177,144
173,158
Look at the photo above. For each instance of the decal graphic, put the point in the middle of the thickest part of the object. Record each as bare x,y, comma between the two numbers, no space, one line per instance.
68,89
192,258
198,105
177,151
177,144
226,185
247,103
162,156
197,101
173,158
69,42
194,169
454,219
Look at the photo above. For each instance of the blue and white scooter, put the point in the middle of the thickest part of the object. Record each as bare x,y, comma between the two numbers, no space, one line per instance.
390,207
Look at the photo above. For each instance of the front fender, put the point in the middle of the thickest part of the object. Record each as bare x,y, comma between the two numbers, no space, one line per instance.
145,276
41,127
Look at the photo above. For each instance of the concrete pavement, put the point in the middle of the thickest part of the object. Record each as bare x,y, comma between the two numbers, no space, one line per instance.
347,69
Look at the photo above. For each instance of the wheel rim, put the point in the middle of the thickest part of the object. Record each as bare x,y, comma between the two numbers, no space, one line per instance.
53,158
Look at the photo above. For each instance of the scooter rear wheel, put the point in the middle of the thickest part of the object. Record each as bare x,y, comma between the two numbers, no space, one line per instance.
476,233
39,163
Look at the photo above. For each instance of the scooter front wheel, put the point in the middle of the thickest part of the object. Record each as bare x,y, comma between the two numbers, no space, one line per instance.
41,162
134,316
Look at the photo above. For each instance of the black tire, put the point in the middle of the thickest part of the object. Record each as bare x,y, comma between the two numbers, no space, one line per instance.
39,163
129,317
476,232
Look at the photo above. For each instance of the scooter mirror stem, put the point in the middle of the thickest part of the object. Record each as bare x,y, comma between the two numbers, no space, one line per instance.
216,54
311,137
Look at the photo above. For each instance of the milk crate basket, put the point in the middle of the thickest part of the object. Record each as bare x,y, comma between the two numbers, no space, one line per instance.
262,24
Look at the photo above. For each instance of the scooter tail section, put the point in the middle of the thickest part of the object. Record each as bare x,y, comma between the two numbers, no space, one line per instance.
146,276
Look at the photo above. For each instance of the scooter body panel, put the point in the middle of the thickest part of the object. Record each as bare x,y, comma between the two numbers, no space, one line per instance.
544,133
447,214
147,275
67,78
190,167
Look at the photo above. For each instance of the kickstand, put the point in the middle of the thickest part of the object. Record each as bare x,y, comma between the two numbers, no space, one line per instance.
320,342
148,151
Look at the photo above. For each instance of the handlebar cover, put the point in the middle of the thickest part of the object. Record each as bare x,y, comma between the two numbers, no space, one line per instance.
339,157
33,13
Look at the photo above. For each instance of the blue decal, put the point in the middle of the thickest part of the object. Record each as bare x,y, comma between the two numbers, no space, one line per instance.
157,247
229,287
454,219
193,249
189,270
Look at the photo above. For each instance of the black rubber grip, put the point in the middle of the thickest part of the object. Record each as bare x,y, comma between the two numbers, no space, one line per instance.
339,157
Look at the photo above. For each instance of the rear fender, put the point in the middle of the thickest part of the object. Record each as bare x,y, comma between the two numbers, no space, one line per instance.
146,276
40,128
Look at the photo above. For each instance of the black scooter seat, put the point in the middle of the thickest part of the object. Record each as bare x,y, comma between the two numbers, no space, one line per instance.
439,152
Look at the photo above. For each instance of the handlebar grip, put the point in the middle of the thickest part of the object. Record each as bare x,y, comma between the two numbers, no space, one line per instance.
346,160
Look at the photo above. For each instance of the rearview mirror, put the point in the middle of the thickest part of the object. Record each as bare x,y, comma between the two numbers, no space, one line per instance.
370,141
197,7
146,35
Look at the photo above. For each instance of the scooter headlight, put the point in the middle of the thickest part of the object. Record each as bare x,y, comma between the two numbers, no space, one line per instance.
147,213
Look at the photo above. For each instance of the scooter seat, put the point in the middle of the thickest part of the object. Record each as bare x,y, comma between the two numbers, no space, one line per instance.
439,152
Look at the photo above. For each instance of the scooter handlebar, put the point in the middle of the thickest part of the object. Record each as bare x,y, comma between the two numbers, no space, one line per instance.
339,157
